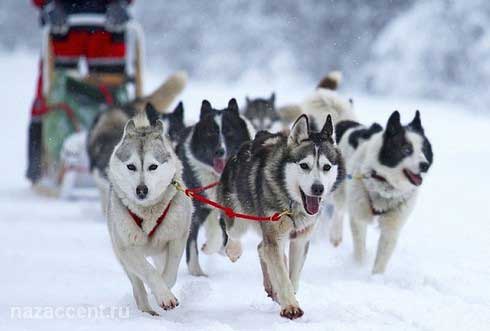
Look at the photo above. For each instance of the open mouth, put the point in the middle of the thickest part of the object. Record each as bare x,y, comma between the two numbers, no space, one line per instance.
415,179
310,203
219,164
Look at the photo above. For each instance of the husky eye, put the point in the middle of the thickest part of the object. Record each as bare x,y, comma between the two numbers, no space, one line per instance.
131,167
304,166
152,167
406,150
327,167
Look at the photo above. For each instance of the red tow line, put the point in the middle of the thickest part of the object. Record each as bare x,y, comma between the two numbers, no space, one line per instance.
193,194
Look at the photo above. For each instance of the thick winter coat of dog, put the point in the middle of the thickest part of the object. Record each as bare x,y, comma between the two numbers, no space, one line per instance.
107,129
274,173
262,113
323,101
147,216
387,168
204,150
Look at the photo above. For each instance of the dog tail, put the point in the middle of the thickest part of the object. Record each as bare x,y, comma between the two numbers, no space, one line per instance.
164,95
331,81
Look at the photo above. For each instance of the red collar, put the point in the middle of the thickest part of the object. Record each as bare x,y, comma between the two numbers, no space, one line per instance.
160,220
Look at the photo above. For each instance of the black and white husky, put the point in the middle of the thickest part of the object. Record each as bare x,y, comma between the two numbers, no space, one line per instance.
204,149
387,167
273,173
147,216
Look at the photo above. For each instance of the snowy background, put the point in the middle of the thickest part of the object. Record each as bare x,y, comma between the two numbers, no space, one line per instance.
413,54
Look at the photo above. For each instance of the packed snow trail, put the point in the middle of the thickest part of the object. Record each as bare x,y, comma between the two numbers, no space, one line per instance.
57,253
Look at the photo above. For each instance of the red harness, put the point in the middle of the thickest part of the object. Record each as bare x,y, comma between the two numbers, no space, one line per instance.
160,220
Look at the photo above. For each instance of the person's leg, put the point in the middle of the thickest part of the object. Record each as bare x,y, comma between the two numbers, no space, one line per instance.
106,53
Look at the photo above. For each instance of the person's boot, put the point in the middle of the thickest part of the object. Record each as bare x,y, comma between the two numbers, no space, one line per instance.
34,150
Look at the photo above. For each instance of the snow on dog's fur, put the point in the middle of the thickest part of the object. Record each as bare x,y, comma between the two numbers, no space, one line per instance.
270,174
387,168
141,170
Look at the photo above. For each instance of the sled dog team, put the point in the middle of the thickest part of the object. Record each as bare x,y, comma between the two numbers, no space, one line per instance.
142,157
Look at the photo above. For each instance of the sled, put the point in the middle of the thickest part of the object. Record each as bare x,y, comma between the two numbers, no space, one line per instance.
74,101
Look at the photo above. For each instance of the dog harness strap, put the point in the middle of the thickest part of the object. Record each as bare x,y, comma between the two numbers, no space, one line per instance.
139,221
192,193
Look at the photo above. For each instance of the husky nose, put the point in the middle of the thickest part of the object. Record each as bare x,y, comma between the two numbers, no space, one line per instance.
220,152
317,189
424,166
141,191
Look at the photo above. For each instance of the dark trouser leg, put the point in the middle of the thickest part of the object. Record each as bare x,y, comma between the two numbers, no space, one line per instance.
34,150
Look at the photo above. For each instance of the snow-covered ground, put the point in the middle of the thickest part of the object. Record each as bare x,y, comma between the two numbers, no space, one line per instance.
57,253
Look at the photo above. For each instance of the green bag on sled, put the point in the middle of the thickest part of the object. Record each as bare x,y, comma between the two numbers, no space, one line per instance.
73,106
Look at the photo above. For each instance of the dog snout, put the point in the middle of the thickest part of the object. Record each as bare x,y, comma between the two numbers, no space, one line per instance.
424,166
142,191
317,189
220,152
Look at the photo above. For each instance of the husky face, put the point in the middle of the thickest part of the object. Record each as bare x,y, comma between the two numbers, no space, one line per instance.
315,166
405,155
263,114
143,164
218,134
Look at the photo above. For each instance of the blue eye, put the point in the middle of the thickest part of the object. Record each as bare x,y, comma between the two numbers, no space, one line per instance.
131,167
152,167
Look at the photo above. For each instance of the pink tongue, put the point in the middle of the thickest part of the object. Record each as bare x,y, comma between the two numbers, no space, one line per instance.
218,165
416,179
312,204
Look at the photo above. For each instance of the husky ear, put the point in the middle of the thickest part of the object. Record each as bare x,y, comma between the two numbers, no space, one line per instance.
179,112
247,100
233,106
272,99
152,114
299,130
394,125
327,131
206,109
416,123
130,128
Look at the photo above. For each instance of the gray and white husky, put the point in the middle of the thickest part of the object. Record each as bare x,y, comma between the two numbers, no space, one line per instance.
147,216
273,173
262,113
387,169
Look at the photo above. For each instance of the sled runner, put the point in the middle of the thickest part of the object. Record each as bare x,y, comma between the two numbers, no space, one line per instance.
74,100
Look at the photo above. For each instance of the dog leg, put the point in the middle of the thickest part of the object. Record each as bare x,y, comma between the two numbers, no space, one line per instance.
358,229
337,224
272,252
159,260
298,249
136,263
140,295
192,253
235,230
175,250
214,235
390,230
266,278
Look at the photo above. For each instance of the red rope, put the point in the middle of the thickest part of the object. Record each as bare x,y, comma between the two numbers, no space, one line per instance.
70,113
109,100
193,193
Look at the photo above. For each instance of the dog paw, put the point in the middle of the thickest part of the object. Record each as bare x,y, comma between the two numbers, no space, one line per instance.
151,312
292,312
233,250
169,303
335,238
209,249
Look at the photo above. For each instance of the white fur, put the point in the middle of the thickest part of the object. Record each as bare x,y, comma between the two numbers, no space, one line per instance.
132,245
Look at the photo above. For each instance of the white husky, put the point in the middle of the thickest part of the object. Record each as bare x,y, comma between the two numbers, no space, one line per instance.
147,216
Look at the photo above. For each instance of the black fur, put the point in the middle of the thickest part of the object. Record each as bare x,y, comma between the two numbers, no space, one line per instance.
342,127
364,134
175,122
